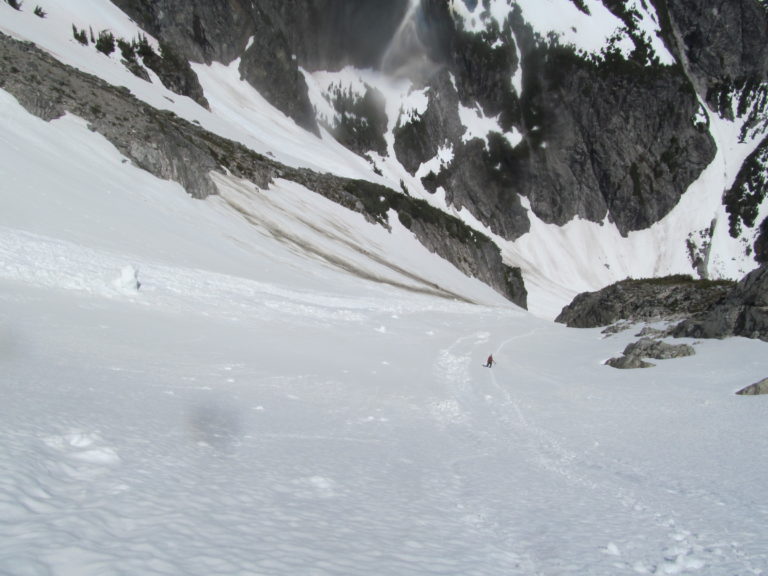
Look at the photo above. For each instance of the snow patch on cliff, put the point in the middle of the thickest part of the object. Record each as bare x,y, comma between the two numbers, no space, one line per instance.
478,125
589,33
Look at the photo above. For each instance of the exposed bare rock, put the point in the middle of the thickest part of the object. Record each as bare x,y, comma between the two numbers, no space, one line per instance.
628,363
658,349
743,312
755,389
635,353
674,297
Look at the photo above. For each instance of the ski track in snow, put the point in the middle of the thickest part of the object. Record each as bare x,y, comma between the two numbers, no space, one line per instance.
680,550
154,450
178,401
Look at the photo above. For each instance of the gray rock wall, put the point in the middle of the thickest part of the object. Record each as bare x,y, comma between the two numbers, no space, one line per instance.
615,139
743,312
204,31
675,297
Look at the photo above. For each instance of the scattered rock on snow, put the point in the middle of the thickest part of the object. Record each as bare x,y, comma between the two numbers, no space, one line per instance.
620,326
755,389
628,362
651,332
649,348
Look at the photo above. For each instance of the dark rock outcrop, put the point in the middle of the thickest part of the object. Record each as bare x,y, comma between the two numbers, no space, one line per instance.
746,195
649,348
613,139
362,121
723,50
175,73
628,363
743,312
716,40
755,389
203,31
673,297
658,349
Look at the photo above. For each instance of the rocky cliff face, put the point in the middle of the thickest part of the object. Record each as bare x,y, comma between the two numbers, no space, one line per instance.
672,298
613,134
274,37
743,312
595,139
717,42
722,47
616,136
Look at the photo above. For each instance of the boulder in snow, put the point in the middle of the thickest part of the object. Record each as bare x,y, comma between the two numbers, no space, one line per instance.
755,389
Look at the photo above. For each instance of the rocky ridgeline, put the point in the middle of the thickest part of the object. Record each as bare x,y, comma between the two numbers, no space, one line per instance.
670,298
743,312
173,148
696,308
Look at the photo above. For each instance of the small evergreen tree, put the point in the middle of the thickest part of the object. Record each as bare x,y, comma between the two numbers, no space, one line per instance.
127,49
15,4
142,47
38,11
105,43
80,35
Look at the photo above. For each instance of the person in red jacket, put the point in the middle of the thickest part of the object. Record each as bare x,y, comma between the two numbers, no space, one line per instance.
490,361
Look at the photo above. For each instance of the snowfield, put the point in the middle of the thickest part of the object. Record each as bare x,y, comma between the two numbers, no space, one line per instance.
263,383
232,387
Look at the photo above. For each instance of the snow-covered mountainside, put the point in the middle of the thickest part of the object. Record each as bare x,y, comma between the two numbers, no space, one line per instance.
231,343
194,387
590,140
587,141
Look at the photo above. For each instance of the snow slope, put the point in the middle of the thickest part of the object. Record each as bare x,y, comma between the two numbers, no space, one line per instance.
238,112
279,395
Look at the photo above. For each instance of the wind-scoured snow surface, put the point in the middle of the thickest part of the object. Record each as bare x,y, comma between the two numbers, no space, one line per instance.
262,383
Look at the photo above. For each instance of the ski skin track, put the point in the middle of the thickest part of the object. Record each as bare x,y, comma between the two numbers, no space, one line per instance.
686,550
